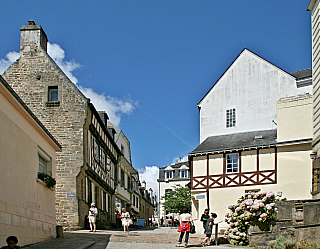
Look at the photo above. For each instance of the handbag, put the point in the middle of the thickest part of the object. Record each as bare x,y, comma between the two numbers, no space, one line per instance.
192,228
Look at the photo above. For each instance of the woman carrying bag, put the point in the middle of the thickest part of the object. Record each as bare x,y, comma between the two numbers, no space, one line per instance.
126,221
185,226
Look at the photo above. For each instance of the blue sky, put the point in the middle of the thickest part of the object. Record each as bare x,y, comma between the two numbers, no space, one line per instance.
149,62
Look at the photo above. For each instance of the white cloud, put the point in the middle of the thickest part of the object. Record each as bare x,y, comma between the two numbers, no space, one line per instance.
5,63
58,55
178,159
113,106
150,175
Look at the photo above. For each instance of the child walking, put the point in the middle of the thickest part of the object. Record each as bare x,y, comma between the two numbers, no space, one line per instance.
208,229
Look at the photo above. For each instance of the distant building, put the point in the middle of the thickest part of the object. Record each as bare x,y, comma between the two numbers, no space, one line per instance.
124,194
147,203
255,134
86,169
28,160
170,176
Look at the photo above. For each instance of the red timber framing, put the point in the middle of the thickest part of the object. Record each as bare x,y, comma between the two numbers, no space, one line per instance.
224,180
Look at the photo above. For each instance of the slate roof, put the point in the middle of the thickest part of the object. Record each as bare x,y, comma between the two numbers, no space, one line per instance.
302,74
176,175
236,141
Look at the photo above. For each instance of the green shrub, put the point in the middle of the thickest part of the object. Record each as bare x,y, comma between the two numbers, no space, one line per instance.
282,243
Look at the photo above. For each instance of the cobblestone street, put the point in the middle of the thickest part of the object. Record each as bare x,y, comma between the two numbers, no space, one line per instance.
139,238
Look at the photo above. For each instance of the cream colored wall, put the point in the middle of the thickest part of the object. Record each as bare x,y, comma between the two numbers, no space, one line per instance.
199,166
249,160
266,159
294,118
295,171
215,162
27,207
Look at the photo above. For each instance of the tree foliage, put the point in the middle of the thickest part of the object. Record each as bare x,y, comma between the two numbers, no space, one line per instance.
177,199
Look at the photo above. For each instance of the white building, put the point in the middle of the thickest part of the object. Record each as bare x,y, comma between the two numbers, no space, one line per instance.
124,193
255,134
170,176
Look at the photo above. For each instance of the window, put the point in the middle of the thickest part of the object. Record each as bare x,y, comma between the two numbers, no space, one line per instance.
128,182
104,200
122,177
167,191
96,151
89,190
53,94
104,160
232,163
133,200
169,174
231,118
122,149
137,202
183,173
44,162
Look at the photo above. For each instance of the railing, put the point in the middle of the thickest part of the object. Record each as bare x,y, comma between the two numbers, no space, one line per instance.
234,179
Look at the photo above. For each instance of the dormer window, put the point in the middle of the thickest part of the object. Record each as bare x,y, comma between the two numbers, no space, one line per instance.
168,172
183,171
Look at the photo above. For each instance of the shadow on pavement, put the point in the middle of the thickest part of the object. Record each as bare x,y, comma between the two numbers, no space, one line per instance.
74,241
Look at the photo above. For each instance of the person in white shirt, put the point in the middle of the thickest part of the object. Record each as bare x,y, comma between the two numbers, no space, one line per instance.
185,225
93,212
125,218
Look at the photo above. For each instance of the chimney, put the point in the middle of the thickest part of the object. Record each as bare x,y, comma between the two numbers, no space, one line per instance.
151,192
32,35
144,185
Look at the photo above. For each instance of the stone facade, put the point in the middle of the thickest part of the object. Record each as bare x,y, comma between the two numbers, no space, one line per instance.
69,116
297,220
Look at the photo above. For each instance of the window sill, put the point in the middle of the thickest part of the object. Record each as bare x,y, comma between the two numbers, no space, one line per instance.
44,184
53,104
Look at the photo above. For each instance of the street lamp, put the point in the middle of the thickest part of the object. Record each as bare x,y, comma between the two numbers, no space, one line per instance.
313,155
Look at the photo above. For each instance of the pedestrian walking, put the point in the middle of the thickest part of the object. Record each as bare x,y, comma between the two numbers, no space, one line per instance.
93,212
184,228
204,217
12,242
125,218
118,219
208,229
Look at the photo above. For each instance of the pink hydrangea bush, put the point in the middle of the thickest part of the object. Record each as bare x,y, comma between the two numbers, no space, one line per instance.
252,208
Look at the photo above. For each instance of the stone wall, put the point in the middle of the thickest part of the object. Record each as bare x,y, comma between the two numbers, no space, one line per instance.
297,220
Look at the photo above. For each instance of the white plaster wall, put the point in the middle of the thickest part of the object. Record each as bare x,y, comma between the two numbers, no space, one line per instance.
167,185
252,86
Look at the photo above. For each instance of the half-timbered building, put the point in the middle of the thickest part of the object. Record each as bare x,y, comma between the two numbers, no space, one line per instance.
255,134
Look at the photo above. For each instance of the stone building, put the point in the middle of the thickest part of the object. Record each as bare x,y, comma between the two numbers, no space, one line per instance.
86,167
146,203
28,169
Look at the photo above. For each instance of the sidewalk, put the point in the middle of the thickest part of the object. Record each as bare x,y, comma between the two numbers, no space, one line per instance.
164,238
